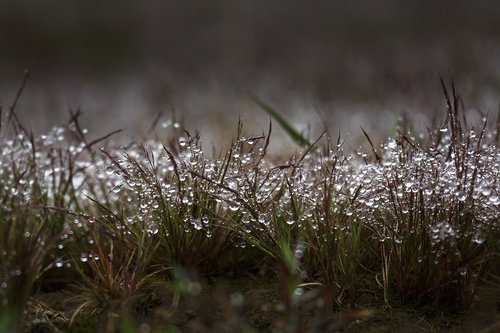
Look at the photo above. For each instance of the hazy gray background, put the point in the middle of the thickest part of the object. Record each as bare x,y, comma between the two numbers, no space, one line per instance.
343,63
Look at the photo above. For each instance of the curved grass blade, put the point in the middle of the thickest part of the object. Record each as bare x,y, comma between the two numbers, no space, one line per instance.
289,129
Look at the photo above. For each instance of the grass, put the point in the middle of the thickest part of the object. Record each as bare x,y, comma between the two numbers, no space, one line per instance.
414,220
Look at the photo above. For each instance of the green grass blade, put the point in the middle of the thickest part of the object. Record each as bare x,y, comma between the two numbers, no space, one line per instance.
292,132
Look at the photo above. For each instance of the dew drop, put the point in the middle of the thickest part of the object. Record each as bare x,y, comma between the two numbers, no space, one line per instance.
486,191
234,207
197,223
117,188
478,238
109,170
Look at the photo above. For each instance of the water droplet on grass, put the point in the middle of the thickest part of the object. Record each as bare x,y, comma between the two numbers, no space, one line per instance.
109,170
234,207
117,188
494,199
486,191
197,223
478,238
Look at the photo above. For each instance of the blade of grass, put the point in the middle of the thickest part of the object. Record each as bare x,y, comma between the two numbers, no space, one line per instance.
289,129
377,157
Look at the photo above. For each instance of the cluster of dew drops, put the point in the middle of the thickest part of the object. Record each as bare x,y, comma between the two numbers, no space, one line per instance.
146,180
34,170
447,194
386,188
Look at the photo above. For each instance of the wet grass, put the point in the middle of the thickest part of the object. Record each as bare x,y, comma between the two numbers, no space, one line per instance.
130,235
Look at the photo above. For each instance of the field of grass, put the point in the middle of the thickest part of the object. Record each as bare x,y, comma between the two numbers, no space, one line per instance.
161,236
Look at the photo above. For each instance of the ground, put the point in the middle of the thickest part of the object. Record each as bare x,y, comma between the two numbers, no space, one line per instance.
229,305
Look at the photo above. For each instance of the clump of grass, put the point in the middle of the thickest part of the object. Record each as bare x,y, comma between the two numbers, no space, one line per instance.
36,173
421,219
336,253
114,264
434,207
174,205
28,239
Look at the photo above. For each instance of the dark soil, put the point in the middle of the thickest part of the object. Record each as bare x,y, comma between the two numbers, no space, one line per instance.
250,304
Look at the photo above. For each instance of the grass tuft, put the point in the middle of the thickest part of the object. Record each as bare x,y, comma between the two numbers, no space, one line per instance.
417,226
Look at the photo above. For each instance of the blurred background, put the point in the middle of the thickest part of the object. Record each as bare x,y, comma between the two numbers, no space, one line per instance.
335,64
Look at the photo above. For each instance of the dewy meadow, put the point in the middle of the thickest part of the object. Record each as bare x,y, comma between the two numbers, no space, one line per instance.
131,238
